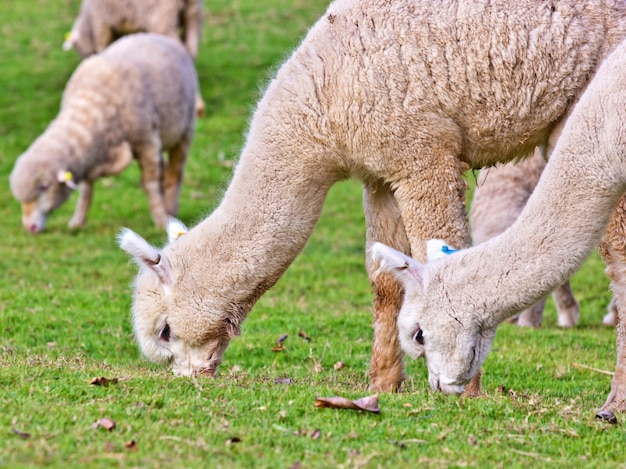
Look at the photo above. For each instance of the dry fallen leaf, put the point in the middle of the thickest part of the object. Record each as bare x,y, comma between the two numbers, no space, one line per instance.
282,381
304,336
131,445
279,343
369,403
105,423
102,381
21,434
339,365
316,434
234,439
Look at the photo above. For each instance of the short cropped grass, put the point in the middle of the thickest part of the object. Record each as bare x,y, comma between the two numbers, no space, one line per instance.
65,300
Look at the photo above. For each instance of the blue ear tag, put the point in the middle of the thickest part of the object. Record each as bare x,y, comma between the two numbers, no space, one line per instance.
447,250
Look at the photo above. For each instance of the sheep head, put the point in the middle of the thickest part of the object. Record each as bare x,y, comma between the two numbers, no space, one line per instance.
174,324
40,193
454,343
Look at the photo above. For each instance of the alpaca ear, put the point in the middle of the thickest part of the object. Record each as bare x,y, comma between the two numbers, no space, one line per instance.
71,38
67,178
175,229
406,269
145,255
437,248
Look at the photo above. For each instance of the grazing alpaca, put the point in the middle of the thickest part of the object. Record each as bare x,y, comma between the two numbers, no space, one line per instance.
134,100
499,197
404,96
453,305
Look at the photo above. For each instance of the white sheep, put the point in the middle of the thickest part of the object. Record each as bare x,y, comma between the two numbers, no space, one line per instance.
404,96
135,99
453,305
100,22
499,197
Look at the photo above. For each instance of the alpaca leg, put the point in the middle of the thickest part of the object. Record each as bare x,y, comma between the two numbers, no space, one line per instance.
566,305
432,205
533,316
610,319
85,193
384,224
151,164
613,250
173,177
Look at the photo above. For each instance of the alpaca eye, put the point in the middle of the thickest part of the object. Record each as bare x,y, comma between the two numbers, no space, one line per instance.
419,336
43,187
164,333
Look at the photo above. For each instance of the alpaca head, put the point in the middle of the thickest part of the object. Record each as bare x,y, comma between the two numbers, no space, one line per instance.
454,343
40,190
173,322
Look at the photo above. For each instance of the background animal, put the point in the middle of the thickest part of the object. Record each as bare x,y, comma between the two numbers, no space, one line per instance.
100,22
402,95
453,305
136,99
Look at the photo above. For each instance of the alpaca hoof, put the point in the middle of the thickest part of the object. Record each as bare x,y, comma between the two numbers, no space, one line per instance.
610,319
607,416
525,322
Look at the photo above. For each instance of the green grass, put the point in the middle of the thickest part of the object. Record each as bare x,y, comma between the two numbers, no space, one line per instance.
65,299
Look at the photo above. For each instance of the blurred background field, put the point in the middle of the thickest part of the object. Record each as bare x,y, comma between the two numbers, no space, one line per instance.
65,302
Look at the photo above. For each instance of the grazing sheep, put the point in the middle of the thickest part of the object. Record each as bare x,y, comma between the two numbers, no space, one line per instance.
404,96
499,197
100,22
453,305
135,99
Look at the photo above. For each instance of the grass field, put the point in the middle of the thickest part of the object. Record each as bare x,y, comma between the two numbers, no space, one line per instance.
65,300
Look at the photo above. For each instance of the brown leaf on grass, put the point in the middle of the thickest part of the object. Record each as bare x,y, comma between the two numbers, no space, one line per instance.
21,434
131,445
102,381
304,336
279,343
368,404
105,423
234,439
282,381
339,365
295,465
315,434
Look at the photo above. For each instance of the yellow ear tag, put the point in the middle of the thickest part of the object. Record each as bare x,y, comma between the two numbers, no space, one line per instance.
180,233
67,176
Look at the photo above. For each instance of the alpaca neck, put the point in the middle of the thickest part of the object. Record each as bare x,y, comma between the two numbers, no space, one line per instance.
561,224
263,222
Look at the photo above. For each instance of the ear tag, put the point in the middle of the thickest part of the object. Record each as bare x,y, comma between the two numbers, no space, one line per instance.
448,250
67,178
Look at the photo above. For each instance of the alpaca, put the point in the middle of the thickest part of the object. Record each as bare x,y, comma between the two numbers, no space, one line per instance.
402,95
100,22
453,305
135,99
499,197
